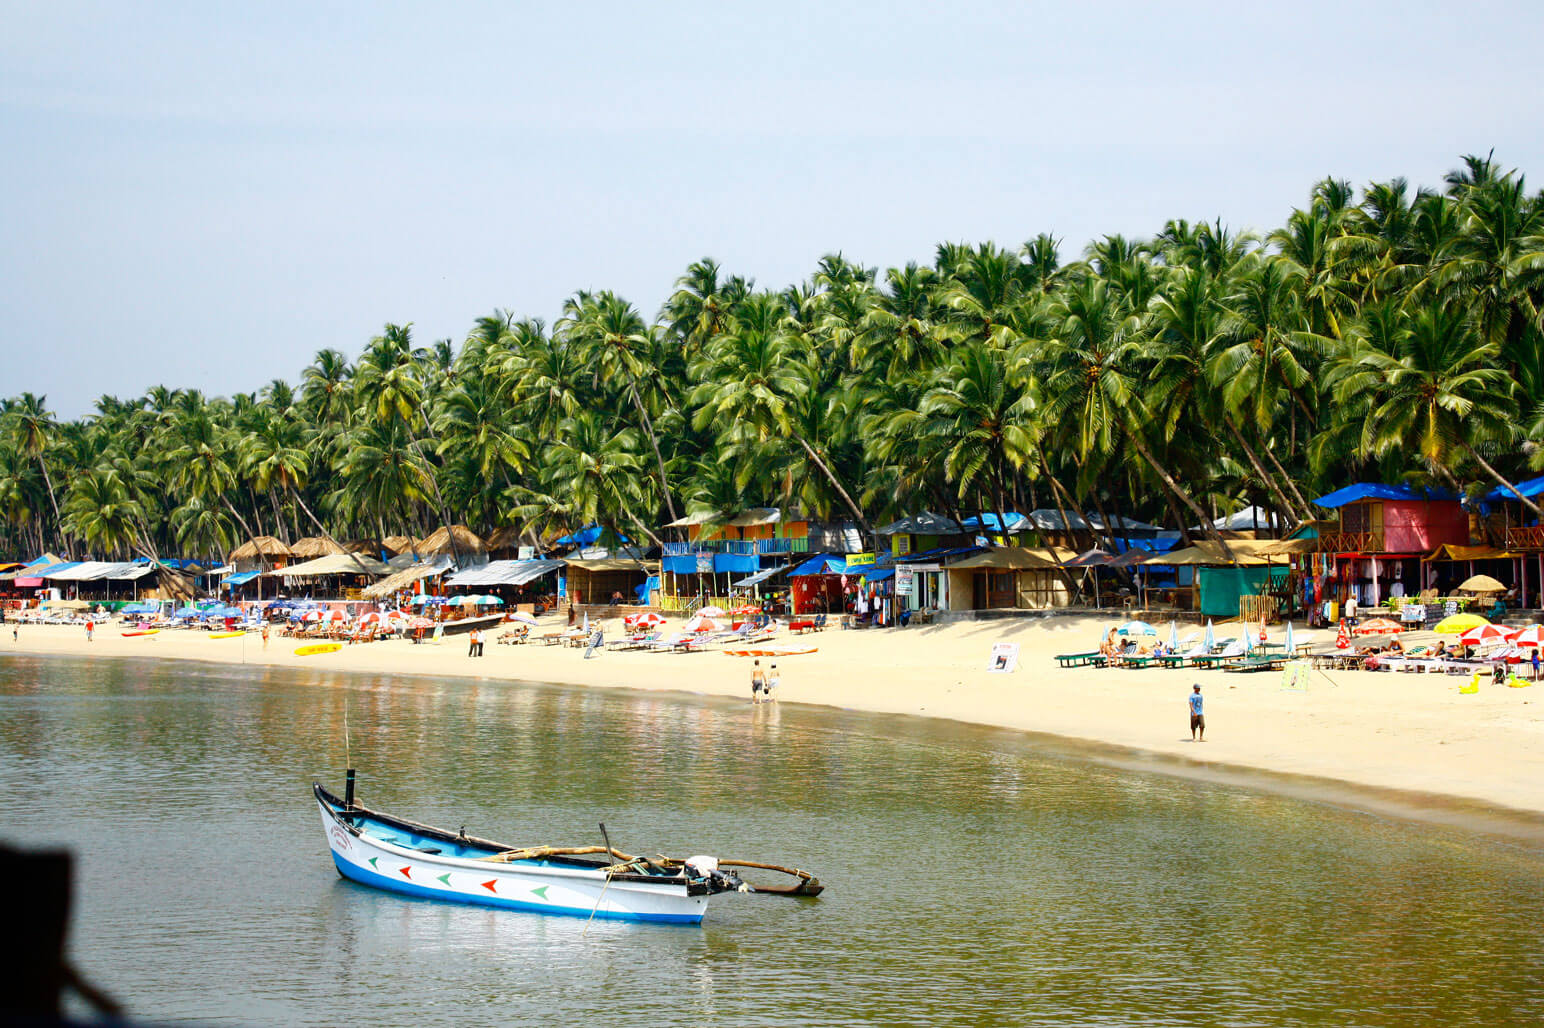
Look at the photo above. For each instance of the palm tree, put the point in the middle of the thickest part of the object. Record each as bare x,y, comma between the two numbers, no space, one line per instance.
31,427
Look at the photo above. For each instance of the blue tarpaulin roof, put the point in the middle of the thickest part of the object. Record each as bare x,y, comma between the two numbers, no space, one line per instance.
1531,488
875,574
240,578
821,564
994,522
1379,491
586,536
930,556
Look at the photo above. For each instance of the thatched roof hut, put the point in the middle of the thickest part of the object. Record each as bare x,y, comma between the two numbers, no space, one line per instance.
266,545
467,542
370,546
314,546
398,543
506,537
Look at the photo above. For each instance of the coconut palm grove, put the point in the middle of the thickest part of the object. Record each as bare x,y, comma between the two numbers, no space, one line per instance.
1390,334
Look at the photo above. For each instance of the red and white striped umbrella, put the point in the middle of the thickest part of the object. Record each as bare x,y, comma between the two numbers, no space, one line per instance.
1484,634
746,611
372,618
1531,637
711,611
647,619
701,623
312,615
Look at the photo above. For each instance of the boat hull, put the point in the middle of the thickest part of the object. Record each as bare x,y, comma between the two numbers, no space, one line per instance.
531,886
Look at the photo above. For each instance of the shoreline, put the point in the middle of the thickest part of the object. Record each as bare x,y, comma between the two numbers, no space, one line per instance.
1402,745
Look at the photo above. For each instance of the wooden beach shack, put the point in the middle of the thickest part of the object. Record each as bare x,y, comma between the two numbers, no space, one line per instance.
1383,535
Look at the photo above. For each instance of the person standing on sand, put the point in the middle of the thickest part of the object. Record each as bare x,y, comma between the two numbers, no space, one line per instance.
774,679
1197,718
758,681
265,635
90,627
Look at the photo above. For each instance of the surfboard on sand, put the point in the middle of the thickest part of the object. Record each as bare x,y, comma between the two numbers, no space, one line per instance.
315,648
225,635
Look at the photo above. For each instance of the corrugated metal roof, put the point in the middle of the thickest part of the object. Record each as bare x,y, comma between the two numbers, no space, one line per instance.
504,572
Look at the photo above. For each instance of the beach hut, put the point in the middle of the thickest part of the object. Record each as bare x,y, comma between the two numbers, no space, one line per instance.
259,552
313,546
1382,534
637,580
398,543
456,541
1008,577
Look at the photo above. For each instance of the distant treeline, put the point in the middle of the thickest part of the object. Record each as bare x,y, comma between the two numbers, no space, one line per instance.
1393,335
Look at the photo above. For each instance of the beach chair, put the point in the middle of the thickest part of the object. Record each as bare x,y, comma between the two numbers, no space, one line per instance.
1078,659
669,645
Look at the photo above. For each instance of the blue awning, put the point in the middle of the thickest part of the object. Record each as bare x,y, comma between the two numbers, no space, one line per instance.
586,536
873,574
240,578
995,522
1379,491
736,563
760,576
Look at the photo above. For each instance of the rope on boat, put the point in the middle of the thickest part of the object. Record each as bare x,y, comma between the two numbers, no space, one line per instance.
808,884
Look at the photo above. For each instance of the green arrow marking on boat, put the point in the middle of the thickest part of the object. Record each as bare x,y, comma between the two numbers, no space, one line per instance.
540,893
372,862
444,878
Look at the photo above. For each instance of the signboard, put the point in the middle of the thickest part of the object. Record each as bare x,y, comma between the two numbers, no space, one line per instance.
704,563
1450,608
858,560
1295,675
1005,657
904,579
1413,612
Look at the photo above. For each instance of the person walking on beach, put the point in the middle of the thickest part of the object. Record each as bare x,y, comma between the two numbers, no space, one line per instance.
265,635
774,679
90,628
473,642
758,681
1535,663
1197,718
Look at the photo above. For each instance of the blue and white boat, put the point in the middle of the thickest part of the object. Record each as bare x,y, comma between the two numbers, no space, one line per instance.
405,857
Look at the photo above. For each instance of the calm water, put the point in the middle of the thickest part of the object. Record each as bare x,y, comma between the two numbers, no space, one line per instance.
972,878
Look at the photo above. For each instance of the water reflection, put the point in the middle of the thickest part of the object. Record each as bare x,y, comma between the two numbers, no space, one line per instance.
973,878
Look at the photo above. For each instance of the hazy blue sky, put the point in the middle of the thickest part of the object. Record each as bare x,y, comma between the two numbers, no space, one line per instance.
195,196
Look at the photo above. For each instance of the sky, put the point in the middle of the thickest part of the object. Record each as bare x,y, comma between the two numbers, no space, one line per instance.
196,195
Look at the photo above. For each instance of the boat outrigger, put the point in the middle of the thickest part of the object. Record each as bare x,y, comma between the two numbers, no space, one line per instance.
403,856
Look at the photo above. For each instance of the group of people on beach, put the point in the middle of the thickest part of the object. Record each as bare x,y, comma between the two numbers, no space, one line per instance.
763,682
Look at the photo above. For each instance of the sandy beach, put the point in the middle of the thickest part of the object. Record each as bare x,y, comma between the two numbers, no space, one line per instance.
1409,732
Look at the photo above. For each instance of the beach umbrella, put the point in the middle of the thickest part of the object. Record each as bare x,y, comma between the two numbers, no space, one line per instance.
701,623
1291,644
648,619
1483,635
1531,637
746,611
523,618
585,628
421,623
372,618
1457,624
1209,640
311,615
711,611
490,601
1481,584
1248,639
1173,635
1379,626
1137,628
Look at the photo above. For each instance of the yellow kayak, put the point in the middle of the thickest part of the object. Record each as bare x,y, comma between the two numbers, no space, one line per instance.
142,631
315,648
225,635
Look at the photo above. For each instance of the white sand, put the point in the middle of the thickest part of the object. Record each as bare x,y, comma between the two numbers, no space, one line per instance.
1411,732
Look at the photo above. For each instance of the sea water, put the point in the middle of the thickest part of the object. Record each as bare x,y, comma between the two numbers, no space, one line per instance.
973,876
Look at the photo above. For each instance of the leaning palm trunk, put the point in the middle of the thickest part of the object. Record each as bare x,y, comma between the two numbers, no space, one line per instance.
1179,492
831,476
328,535
1302,503
1468,448
1266,477
648,428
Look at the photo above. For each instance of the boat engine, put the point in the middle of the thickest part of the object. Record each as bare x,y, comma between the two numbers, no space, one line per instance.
705,870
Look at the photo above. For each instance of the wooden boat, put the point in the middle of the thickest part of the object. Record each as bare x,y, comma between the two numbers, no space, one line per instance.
405,857
315,648
463,625
776,651
140,631
225,635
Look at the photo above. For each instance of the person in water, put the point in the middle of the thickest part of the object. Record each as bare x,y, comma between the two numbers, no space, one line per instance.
758,681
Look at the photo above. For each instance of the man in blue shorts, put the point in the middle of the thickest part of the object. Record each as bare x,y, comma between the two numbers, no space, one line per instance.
1197,719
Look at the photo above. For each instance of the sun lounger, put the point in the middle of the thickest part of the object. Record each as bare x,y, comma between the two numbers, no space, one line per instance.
1261,662
1079,659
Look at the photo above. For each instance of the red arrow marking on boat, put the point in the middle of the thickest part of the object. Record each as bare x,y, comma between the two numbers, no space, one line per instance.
405,874
489,885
